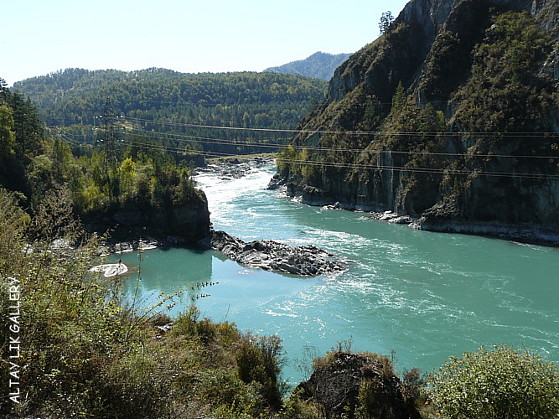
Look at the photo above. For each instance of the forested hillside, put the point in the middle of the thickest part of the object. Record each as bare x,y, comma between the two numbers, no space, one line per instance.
320,65
451,117
167,107
133,186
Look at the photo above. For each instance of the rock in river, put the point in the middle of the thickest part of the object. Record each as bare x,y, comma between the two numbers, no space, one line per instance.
271,255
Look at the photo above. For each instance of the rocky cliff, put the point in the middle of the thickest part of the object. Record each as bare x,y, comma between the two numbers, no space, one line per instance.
451,117
349,385
183,224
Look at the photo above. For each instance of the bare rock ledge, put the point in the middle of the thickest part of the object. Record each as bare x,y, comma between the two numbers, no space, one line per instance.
274,256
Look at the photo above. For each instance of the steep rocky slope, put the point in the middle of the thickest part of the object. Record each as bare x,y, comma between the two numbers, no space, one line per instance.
452,117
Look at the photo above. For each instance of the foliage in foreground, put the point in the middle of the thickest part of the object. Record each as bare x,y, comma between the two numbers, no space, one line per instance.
82,354
501,383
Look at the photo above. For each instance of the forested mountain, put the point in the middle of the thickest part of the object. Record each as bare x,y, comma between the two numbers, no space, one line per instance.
165,106
320,65
450,117
135,186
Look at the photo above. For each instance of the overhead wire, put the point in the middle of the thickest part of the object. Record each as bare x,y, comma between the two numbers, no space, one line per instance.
205,140
354,166
506,134
174,149
211,140
64,136
444,171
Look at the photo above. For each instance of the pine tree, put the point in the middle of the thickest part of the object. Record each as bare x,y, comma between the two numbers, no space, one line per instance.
386,20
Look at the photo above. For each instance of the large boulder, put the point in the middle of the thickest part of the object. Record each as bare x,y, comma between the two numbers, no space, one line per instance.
352,385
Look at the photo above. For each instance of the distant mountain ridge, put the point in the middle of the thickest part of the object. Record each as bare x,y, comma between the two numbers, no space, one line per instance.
320,65
159,102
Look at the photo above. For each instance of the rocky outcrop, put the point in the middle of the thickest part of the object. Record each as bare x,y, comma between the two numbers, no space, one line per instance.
187,224
357,385
234,167
278,257
471,141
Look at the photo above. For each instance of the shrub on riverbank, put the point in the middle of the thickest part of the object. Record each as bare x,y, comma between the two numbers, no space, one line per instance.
501,383
354,385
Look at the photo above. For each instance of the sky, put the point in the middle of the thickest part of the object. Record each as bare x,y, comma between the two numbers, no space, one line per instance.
43,36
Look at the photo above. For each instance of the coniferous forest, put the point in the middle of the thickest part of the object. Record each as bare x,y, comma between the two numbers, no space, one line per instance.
185,112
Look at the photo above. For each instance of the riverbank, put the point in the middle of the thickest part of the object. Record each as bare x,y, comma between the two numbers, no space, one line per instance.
523,233
519,233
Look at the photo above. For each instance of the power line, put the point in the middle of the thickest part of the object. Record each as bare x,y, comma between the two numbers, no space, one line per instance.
64,137
211,140
354,166
432,170
174,149
204,140
363,166
240,143
506,134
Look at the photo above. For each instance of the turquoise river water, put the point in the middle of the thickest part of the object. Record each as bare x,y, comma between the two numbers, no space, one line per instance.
423,296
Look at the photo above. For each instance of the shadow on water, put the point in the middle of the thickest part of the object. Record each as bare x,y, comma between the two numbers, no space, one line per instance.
163,272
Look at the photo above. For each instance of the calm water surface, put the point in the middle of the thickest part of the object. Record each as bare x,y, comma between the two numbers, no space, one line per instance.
424,295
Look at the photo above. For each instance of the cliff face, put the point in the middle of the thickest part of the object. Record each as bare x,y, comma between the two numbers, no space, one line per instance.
452,117
183,224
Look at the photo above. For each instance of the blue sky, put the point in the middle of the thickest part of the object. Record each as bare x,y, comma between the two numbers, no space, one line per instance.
42,36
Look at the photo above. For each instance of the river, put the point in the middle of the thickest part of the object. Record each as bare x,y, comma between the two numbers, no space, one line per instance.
415,295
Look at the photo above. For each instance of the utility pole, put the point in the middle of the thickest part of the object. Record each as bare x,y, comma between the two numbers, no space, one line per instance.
108,140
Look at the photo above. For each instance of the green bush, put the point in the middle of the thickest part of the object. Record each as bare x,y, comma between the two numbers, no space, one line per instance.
258,361
501,383
230,396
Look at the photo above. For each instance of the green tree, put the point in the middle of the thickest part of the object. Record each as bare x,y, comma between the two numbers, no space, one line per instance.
385,23
127,175
7,135
501,383
259,360
29,129
62,160
399,98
